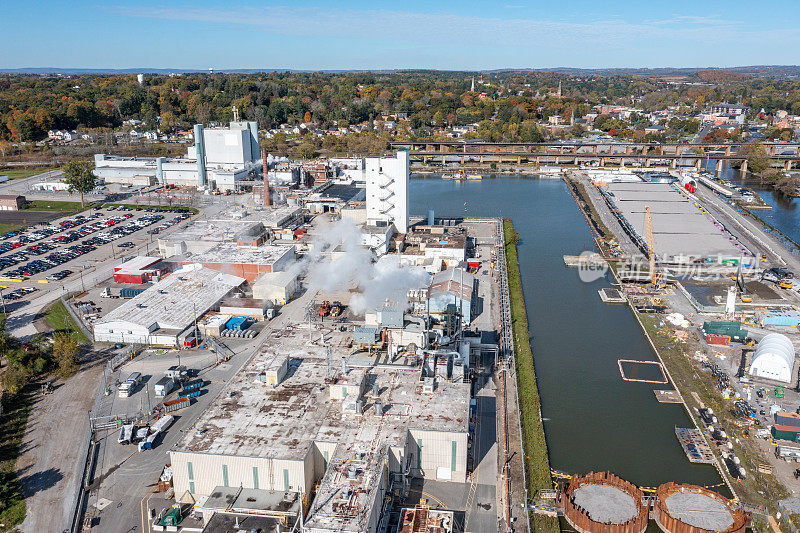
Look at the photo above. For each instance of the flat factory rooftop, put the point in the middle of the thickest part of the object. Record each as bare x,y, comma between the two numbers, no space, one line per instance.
258,420
680,228
175,301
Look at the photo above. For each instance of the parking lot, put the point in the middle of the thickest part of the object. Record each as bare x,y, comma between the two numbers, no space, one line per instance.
66,247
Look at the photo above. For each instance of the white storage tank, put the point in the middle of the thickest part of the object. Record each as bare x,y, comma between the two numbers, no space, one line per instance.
774,358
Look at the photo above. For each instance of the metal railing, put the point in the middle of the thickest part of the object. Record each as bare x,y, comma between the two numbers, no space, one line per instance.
508,345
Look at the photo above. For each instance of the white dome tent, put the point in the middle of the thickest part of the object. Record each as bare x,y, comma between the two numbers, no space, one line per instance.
774,358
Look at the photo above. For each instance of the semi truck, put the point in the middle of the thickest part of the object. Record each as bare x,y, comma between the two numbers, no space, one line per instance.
129,385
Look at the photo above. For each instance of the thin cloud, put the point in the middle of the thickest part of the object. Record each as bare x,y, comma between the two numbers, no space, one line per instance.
444,29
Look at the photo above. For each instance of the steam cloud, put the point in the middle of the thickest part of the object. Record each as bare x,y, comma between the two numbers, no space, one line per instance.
378,282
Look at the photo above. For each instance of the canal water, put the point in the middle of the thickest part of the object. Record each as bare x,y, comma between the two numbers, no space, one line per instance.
593,419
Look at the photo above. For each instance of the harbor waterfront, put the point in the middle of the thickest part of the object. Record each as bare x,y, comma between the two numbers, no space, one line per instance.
593,420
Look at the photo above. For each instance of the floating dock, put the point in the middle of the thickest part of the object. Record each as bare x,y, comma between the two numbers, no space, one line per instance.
585,260
694,445
668,396
611,296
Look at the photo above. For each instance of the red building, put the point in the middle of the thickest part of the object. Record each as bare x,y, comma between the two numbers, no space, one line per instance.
140,270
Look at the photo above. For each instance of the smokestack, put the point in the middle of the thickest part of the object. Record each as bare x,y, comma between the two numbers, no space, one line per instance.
200,147
264,172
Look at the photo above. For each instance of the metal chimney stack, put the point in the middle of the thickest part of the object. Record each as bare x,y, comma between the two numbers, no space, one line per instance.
264,172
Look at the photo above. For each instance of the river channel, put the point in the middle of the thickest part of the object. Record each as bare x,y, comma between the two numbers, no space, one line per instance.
593,420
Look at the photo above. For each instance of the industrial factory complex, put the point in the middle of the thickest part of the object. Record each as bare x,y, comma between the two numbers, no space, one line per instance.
303,355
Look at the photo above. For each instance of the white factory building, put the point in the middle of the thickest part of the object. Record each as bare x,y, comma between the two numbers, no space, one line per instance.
219,158
166,312
387,190
287,426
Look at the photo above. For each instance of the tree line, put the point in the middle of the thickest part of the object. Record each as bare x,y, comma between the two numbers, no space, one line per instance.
507,104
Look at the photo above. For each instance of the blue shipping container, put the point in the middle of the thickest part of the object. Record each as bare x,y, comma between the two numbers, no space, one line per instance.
779,318
238,323
130,293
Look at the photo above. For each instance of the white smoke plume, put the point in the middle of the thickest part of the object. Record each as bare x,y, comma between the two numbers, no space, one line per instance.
338,261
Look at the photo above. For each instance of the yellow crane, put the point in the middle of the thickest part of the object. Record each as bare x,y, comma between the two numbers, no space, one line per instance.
651,247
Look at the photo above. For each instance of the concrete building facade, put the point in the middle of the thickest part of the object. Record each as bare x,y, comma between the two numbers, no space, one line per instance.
387,190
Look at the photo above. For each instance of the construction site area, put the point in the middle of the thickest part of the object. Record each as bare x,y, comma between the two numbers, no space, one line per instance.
714,292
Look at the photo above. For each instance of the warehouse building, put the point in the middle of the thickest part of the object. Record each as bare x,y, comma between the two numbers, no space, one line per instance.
364,428
242,227
140,269
774,358
247,262
247,307
279,287
681,231
166,312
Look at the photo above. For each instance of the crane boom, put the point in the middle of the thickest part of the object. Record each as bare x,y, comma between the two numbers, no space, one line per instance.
651,247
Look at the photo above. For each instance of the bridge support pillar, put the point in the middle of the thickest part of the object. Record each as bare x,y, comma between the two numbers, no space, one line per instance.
788,165
728,150
719,165
771,149
538,162
481,159
697,164
744,166
519,160
561,149
674,163
627,150
647,161
557,160
602,162
424,159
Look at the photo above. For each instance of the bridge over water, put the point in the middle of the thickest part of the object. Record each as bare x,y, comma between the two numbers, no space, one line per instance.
614,153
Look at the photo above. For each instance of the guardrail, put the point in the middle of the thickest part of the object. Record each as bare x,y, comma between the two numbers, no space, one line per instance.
508,345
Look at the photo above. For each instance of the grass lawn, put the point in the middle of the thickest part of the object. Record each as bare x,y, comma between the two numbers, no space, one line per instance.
5,228
537,463
59,319
12,428
15,173
54,205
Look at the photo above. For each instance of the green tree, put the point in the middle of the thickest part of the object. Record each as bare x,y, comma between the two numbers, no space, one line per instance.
79,176
757,160
65,353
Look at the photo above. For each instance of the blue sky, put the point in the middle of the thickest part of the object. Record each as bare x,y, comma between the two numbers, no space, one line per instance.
466,34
